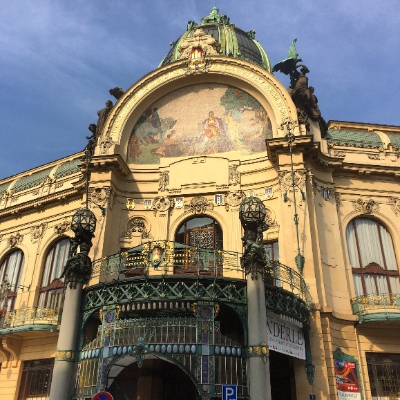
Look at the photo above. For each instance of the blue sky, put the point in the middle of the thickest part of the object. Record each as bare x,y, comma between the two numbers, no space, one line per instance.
59,59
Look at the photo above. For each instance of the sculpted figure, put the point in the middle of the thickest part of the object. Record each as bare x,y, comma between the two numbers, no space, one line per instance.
103,113
117,92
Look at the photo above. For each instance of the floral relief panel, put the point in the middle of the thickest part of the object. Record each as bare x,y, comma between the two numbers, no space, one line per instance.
199,120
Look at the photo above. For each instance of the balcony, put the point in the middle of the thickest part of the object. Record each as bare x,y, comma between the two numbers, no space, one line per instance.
167,272
377,307
24,319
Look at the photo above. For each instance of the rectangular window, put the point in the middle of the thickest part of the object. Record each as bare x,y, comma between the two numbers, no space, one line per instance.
384,375
273,250
36,379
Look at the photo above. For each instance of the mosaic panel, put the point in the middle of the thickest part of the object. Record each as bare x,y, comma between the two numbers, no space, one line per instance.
199,120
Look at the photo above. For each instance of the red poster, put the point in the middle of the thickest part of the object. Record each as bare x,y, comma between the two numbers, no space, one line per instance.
346,380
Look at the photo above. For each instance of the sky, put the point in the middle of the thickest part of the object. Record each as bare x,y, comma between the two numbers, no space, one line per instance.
58,59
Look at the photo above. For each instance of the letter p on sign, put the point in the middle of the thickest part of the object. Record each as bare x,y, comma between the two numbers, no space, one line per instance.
229,392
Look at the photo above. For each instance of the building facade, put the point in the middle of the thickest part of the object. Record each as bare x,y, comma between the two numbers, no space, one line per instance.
164,312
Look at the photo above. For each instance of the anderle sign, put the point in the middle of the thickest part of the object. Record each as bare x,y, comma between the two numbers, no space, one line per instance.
285,337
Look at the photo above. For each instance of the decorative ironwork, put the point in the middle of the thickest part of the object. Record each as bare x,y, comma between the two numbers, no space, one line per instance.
260,350
252,215
29,316
183,258
175,339
79,266
377,307
288,126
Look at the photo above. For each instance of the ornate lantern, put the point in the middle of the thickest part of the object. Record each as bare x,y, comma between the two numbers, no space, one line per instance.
252,212
83,220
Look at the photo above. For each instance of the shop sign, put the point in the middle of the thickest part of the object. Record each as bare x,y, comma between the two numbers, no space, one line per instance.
286,337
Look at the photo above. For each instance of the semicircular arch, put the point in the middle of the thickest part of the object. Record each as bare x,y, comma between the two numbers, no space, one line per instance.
257,82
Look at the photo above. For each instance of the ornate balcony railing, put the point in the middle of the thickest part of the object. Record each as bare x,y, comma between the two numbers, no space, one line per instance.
29,316
377,307
168,258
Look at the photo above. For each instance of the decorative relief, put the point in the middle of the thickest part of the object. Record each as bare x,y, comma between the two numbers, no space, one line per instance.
105,143
270,219
339,154
234,175
162,204
338,200
374,156
366,207
395,204
195,49
100,196
199,205
164,181
15,240
38,231
137,227
285,179
62,227
233,199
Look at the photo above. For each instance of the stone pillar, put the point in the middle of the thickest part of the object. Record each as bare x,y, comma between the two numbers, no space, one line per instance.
65,365
258,373
255,259
77,272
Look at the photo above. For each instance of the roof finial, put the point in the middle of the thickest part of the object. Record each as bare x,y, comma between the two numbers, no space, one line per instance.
214,10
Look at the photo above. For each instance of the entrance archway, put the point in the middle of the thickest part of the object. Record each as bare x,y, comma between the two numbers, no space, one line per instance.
156,379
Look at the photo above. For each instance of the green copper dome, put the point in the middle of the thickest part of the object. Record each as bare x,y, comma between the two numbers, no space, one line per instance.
233,42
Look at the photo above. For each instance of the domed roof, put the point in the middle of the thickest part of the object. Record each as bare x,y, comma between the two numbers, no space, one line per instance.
230,40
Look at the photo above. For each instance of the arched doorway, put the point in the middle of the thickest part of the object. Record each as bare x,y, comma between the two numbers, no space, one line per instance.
156,379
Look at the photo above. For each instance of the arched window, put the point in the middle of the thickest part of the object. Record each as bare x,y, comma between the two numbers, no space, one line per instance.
203,232
10,278
204,235
52,286
372,258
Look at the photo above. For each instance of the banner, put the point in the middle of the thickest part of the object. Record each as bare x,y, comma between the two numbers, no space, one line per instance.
285,335
347,380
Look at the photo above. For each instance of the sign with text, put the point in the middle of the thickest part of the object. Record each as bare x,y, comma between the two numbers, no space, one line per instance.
347,380
229,392
286,337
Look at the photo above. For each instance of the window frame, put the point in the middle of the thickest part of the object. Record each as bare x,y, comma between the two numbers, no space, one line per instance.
54,285
8,302
373,270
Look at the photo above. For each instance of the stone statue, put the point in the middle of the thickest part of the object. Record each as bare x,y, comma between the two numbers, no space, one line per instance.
103,113
302,95
117,92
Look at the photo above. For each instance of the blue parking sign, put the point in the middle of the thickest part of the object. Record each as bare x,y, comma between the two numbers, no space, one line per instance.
229,392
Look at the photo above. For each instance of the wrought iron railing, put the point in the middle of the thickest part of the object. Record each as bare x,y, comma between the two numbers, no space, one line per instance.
377,306
178,259
175,259
29,316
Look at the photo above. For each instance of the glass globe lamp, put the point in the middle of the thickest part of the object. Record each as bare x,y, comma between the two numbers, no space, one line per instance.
83,220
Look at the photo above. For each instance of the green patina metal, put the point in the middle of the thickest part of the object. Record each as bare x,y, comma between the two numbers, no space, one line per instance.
4,187
233,41
153,289
351,138
68,168
30,181
377,307
394,139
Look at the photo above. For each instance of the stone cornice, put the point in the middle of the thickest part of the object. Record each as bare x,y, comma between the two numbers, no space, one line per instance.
280,146
32,205
112,162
